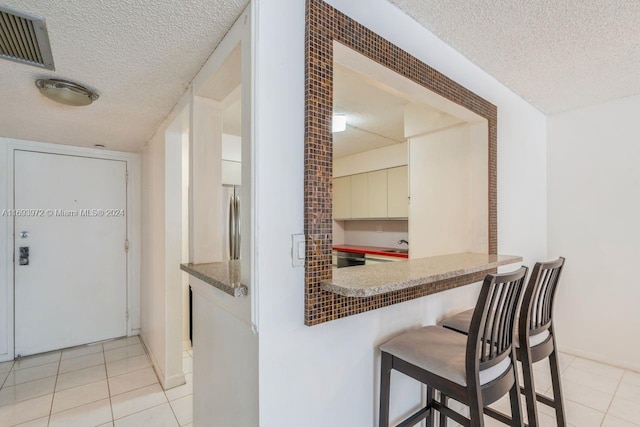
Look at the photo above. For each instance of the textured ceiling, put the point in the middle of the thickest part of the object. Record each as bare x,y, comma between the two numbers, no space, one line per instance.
556,54
375,112
375,117
140,56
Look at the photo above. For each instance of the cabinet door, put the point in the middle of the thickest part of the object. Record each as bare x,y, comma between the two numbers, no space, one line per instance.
359,196
377,186
398,192
342,197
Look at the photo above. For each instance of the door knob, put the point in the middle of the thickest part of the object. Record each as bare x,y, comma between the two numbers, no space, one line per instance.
24,234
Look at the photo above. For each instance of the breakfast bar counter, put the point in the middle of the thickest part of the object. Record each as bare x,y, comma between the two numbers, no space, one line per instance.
371,280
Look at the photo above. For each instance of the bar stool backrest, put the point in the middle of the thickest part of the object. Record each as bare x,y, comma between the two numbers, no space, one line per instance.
490,338
539,298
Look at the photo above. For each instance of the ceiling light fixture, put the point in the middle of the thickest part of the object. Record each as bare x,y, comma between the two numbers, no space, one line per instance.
66,93
339,123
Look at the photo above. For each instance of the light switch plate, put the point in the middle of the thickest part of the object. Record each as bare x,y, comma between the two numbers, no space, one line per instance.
297,250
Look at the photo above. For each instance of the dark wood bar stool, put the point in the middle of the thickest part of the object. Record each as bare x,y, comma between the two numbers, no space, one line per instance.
535,340
475,370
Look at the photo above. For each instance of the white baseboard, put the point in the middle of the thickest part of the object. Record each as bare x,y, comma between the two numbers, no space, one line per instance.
165,382
632,366
154,363
174,381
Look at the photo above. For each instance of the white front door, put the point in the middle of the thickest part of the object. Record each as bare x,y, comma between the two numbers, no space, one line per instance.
70,212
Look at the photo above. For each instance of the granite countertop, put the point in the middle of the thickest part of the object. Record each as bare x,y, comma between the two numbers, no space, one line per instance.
222,275
369,280
373,250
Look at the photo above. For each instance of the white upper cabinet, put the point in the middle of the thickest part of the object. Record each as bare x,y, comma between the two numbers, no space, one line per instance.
377,188
359,196
398,192
342,197
378,194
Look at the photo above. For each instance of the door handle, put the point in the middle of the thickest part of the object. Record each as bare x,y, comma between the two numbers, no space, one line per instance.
24,255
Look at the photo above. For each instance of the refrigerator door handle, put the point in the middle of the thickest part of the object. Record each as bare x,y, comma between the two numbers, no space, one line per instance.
232,224
237,227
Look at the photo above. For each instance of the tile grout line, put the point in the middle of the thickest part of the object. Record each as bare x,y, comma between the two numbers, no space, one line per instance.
106,373
157,382
613,398
169,401
171,407
82,385
8,373
55,384
568,364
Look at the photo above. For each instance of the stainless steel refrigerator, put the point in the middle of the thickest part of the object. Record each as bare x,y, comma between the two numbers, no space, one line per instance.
231,220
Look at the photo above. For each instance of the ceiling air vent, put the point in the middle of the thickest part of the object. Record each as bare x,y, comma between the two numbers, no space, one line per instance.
24,38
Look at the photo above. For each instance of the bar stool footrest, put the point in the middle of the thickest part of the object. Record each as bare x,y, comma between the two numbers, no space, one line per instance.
503,418
542,398
417,417
450,413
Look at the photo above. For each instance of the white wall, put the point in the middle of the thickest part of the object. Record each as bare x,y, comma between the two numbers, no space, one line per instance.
440,193
479,187
174,296
594,211
328,374
225,339
376,233
6,270
153,260
186,341
163,244
448,181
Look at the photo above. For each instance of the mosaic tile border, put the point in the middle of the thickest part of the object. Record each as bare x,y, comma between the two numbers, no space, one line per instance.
324,24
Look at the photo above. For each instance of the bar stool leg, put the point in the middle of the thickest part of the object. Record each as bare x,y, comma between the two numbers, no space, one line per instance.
476,413
516,412
430,398
385,383
558,401
444,400
529,388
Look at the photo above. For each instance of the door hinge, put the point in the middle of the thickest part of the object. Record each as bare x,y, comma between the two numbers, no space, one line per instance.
126,245
127,314
126,177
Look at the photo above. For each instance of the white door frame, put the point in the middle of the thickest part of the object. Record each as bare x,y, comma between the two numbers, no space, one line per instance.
7,223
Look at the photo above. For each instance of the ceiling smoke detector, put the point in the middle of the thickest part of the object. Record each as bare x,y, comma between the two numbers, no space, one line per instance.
66,93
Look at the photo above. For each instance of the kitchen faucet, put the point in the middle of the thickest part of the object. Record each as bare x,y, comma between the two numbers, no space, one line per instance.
401,241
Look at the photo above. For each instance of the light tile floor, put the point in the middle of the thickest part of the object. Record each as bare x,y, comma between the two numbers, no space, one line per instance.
595,395
104,384
113,384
